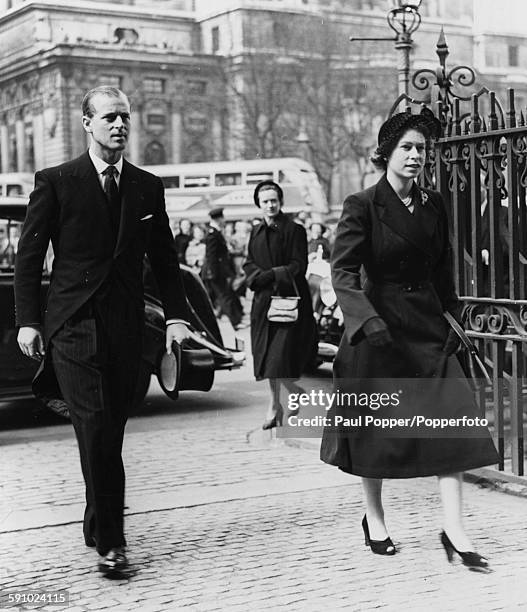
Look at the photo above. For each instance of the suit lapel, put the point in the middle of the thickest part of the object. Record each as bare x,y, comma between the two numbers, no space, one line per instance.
89,189
416,228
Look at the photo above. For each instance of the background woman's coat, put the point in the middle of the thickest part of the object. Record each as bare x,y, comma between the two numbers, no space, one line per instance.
276,254
407,261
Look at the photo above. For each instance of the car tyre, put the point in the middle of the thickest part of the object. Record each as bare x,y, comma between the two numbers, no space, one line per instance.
143,383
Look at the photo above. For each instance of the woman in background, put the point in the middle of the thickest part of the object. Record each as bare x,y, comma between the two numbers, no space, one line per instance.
276,265
195,251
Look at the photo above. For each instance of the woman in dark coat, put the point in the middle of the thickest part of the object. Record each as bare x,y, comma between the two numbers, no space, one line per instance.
395,330
277,254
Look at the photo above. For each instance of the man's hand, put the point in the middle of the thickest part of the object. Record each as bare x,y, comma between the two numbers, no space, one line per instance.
176,332
31,342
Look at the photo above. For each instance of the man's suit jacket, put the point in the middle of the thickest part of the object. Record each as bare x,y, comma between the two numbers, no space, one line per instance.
218,265
69,207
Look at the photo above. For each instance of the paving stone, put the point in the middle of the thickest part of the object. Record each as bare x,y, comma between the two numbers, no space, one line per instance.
259,549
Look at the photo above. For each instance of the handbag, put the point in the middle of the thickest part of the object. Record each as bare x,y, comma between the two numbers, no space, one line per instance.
470,360
284,309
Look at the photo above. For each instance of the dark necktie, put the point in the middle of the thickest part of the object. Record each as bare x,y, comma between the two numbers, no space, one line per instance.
112,195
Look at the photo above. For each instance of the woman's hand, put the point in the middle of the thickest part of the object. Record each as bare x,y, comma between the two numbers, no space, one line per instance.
263,279
376,332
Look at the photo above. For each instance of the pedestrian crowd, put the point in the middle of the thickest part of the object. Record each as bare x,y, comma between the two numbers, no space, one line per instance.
191,246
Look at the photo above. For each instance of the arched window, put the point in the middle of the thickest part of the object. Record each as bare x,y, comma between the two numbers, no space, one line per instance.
155,153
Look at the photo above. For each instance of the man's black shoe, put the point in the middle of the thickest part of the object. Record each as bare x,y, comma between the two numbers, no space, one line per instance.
90,541
115,562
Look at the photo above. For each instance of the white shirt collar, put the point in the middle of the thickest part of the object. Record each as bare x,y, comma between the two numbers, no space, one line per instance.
101,165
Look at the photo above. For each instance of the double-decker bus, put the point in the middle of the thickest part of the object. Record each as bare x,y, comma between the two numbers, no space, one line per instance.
16,183
191,190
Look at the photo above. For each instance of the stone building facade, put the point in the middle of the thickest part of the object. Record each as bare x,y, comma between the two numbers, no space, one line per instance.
52,52
187,65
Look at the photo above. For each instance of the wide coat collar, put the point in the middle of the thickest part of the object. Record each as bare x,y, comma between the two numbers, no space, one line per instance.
280,224
83,170
417,227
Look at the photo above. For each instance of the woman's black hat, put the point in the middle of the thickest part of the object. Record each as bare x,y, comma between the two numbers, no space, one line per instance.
393,128
268,185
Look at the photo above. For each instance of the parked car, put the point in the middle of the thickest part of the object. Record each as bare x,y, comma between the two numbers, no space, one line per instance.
205,350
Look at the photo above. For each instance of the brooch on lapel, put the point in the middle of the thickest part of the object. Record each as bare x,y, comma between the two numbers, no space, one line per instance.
424,197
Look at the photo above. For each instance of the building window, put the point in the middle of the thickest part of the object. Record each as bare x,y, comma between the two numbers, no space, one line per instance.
111,80
215,37
13,154
128,36
280,34
155,120
154,85
155,153
197,88
513,55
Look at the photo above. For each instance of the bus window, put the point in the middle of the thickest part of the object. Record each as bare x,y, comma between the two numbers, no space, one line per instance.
14,190
283,178
256,177
170,182
227,179
9,235
197,181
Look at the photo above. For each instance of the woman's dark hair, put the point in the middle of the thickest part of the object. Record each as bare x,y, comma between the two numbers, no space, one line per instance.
268,185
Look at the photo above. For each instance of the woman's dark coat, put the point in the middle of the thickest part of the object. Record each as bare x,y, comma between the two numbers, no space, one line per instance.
276,254
407,262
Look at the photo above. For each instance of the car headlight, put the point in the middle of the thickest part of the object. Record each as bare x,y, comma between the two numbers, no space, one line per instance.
327,294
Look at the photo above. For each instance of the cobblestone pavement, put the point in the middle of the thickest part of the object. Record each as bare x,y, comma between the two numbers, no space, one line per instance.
222,516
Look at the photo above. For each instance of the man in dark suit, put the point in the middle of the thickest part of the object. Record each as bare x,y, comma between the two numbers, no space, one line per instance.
218,270
101,214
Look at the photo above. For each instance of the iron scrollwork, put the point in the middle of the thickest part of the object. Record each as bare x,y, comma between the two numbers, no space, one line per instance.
496,320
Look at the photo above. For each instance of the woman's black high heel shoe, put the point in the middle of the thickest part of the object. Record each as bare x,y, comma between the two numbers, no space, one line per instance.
379,547
470,559
274,421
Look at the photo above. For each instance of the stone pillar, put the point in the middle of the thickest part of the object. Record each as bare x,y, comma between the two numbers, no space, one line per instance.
133,150
20,145
4,147
39,136
217,138
177,137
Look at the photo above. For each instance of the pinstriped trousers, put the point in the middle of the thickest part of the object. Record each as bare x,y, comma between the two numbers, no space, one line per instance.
96,357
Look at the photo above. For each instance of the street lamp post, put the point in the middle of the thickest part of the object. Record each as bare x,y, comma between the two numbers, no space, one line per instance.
404,19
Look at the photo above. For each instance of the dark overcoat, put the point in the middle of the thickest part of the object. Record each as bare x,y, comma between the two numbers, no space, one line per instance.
405,258
276,254
217,265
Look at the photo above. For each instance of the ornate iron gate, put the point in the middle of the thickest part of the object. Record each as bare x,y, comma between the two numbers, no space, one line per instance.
480,167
